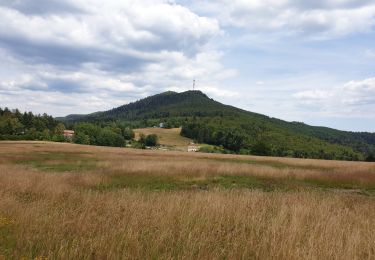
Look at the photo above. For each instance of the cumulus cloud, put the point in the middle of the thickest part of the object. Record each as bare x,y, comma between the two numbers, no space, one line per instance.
42,7
316,19
354,98
114,50
135,31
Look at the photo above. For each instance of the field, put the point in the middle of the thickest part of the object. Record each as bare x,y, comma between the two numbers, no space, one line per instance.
167,137
66,201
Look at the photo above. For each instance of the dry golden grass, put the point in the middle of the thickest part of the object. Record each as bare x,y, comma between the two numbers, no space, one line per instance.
53,208
168,137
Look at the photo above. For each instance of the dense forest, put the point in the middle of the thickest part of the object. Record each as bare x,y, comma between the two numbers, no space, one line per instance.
111,134
236,130
15,125
250,140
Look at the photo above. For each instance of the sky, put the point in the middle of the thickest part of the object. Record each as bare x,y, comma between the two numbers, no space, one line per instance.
297,60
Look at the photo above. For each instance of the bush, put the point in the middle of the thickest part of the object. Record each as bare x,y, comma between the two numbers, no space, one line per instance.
211,149
81,138
128,134
151,140
370,158
260,148
107,137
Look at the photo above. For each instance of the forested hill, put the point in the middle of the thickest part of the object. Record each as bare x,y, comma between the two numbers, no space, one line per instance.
164,105
234,129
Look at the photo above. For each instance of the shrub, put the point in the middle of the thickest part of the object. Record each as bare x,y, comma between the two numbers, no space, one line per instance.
151,140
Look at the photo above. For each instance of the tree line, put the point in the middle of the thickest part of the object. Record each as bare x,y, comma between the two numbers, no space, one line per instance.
15,125
243,138
109,135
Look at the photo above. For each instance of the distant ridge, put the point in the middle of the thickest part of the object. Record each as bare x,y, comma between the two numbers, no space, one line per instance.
205,119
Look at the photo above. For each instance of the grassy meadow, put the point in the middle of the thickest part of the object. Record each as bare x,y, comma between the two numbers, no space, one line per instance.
66,201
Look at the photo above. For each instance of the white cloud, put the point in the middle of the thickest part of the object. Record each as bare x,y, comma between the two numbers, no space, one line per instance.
354,98
315,19
92,50
313,94
132,28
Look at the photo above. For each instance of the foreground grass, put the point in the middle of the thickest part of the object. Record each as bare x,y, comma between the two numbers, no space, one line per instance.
168,183
58,161
62,201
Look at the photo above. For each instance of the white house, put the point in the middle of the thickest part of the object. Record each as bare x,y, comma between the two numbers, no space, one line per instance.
193,148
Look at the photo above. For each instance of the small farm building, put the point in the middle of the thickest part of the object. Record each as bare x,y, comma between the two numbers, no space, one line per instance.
68,133
193,148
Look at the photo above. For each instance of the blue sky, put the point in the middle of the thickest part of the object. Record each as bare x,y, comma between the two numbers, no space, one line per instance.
309,61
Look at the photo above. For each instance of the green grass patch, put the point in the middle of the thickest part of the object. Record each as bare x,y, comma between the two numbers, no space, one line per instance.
59,161
368,187
274,164
168,183
138,182
7,239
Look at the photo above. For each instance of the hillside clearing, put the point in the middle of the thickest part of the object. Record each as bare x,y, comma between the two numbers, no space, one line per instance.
167,137
66,201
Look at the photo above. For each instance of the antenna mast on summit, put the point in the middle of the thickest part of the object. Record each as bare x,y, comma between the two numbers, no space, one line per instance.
193,84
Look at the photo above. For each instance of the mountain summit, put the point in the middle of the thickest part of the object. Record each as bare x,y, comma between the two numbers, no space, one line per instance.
209,121
160,106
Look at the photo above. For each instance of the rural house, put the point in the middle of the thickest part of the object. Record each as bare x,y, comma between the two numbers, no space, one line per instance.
68,133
